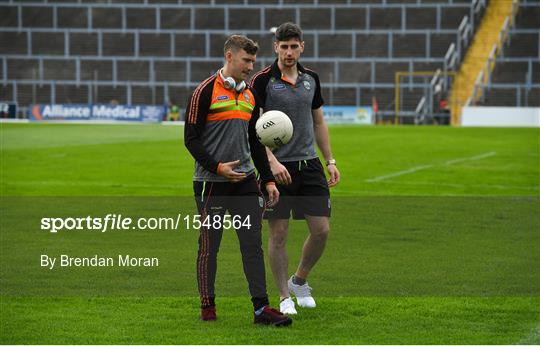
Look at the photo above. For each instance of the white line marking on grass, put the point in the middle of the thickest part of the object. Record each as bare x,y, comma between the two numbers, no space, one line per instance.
90,122
397,174
420,168
532,338
503,187
20,121
173,123
474,158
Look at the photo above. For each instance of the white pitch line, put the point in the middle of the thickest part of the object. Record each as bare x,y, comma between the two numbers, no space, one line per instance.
502,187
531,338
408,171
474,158
420,168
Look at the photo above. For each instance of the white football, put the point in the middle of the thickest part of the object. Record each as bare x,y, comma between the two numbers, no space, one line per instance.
274,129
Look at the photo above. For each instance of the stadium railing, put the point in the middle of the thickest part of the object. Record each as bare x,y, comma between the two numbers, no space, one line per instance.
513,78
351,71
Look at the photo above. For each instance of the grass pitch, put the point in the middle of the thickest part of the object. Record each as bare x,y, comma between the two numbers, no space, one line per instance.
434,240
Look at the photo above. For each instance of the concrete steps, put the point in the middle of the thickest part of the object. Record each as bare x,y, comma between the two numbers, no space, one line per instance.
487,35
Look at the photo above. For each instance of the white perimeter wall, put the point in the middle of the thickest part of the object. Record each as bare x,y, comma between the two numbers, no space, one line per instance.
500,116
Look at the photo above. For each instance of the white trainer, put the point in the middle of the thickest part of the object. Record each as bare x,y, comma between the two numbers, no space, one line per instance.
302,293
287,306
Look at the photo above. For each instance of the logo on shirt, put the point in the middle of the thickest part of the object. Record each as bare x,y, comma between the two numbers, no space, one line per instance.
307,85
278,86
222,97
246,97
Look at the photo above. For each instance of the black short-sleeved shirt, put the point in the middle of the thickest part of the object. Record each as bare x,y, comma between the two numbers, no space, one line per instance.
297,101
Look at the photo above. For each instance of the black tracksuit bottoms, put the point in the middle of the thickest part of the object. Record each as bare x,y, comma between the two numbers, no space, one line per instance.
245,204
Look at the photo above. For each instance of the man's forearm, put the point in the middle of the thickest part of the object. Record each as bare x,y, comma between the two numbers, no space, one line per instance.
271,158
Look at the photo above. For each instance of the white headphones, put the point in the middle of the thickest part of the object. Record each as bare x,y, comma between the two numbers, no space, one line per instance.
230,83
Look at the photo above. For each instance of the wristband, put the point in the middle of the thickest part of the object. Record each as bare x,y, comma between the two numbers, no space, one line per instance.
330,162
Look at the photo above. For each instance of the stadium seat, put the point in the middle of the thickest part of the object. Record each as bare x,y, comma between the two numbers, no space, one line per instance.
336,45
501,97
244,19
14,42
72,93
27,96
350,18
25,69
81,43
355,72
385,18
112,94
421,18
510,72
141,18
522,45
72,17
189,45
155,45
440,44
385,72
59,69
527,17
48,43
37,17
146,95
174,18
106,18
9,16
451,17
325,69
100,69
173,71
409,45
276,16
374,45
200,70
339,96
136,70
118,44
536,72
315,19
209,18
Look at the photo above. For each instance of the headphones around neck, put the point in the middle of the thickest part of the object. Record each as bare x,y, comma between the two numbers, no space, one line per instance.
229,83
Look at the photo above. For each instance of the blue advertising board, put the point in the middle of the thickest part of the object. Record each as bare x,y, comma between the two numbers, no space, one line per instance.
97,112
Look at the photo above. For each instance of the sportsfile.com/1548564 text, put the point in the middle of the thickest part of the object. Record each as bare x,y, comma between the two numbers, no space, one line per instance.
118,222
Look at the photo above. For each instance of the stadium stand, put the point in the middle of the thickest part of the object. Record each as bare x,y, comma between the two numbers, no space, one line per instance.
157,51
515,81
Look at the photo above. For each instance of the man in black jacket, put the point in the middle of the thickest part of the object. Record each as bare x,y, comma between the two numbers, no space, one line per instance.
220,134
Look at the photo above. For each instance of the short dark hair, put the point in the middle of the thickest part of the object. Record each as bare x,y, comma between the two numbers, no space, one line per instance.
288,31
237,42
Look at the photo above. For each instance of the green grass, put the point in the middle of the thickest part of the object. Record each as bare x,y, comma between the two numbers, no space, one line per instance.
82,160
434,240
351,320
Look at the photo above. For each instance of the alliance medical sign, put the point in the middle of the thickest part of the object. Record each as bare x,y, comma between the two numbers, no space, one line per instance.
97,112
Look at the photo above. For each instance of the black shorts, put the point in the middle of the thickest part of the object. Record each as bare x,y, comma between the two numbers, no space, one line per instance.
308,194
